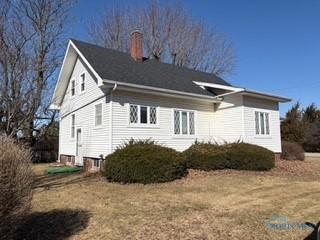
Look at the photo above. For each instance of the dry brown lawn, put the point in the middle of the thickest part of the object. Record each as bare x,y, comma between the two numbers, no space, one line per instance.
216,205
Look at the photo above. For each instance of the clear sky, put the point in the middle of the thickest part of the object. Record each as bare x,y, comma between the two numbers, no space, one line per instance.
277,41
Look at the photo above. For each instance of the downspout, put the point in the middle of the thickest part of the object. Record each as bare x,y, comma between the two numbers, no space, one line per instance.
111,118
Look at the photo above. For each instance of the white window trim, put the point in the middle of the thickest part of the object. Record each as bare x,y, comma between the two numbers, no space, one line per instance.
75,127
94,115
80,82
93,167
75,87
143,125
265,126
180,135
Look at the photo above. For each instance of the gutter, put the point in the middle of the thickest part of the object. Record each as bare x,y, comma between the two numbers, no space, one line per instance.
159,91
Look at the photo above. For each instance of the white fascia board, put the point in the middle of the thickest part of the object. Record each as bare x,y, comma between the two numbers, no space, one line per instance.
265,96
218,86
59,76
244,91
159,91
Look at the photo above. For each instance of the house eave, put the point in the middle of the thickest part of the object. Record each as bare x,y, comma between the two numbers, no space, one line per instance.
157,91
243,91
266,96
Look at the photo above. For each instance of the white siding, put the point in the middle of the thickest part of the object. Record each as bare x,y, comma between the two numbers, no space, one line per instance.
272,141
228,119
163,133
95,140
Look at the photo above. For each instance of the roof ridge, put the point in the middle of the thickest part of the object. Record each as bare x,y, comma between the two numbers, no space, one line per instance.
150,59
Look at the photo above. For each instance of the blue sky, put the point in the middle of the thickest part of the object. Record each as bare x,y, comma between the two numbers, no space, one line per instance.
277,41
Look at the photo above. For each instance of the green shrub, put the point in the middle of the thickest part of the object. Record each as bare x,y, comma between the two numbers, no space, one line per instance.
206,156
144,162
241,156
292,151
244,156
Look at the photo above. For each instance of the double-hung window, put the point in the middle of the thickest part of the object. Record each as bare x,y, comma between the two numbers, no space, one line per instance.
262,123
184,122
98,114
73,125
142,115
82,82
73,88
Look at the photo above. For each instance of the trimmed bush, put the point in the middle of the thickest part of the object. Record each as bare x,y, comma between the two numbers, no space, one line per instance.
16,179
206,156
292,151
241,156
144,162
244,156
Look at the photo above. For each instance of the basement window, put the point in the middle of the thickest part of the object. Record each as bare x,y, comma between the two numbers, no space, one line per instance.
262,126
96,163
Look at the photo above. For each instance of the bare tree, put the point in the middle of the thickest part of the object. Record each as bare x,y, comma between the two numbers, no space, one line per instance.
115,29
171,35
13,70
31,36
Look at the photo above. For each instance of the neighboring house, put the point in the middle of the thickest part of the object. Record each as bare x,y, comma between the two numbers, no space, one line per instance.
106,97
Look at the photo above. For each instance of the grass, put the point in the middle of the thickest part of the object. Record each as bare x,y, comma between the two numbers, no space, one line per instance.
218,205
61,170
40,168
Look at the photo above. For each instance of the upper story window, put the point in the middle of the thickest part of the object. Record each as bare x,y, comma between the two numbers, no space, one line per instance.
262,123
184,122
73,125
73,87
142,114
82,82
98,114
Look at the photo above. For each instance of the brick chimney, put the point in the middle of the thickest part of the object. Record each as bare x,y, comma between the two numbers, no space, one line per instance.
136,46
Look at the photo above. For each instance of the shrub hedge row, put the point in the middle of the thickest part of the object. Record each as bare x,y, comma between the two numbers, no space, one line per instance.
147,162
241,156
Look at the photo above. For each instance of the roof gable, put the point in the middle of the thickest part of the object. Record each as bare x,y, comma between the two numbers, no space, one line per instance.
117,66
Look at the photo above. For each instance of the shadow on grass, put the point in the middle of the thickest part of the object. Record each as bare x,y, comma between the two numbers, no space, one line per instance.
315,235
56,224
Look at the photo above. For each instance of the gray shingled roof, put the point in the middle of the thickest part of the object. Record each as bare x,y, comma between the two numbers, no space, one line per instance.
118,66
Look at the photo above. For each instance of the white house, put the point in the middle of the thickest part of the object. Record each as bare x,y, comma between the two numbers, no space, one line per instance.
106,97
